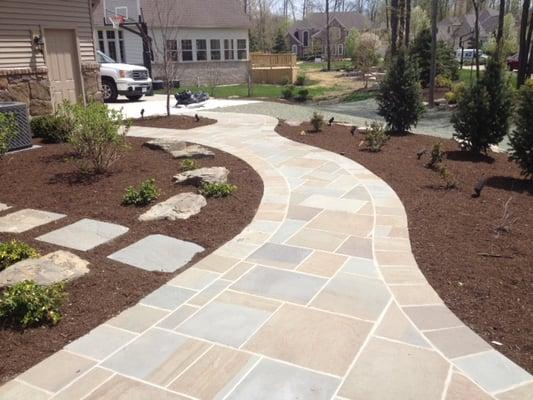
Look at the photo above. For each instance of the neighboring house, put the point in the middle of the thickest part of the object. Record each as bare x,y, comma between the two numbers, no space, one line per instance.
452,29
47,53
207,39
308,37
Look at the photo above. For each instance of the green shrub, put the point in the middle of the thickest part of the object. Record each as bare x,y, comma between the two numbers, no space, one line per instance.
522,136
455,94
449,179
142,196
28,303
284,81
287,92
8,131
442,81
303,95
399,96
15,251
57,127
217,190
450,97
189,164
375,136
437,155
99,137
317,121
300,79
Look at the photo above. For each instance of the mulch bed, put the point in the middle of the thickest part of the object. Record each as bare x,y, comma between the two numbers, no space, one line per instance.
484,278
174,122
48,179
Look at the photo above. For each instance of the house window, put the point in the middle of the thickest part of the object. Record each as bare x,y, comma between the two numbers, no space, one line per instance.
172,50
101,43
242,52
215,49
297,35
111,45
186,50
229,53
201,50
340,49
121,46
306,39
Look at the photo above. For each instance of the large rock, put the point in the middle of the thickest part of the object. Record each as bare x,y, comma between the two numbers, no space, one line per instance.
181,206
166,144
201,175
192,151
54,267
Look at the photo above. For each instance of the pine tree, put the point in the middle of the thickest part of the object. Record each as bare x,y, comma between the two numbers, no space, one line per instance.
280,44
522,136
400,97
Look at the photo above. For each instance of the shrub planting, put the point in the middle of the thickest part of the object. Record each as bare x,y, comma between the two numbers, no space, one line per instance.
300,80
8,131
57,127
303,95
442,81
28,303
521,137
189,164
141,196
375,136
317,121
14,251
287,92
217,190
437,155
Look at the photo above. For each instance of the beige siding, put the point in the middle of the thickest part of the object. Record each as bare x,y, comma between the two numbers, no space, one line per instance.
19,18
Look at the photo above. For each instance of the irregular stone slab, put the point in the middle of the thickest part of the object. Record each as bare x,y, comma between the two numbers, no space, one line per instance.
84,235
4,207
181,206
192,151
166,144
158,253
201,175
24,220
54,267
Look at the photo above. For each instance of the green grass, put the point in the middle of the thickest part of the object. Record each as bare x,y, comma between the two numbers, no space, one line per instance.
467,76
360,95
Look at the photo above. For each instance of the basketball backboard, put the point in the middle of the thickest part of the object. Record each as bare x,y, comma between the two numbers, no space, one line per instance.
129,9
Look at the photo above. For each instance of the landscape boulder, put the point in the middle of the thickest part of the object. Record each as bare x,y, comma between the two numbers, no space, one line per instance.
203,175
54,267
168,145
192,151
181,206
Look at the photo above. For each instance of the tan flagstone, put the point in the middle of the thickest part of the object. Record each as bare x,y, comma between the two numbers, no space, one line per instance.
457,342
122,388
462,388
83,386
415,295
322,263
216,263
343,222
237,271
316,239
524,392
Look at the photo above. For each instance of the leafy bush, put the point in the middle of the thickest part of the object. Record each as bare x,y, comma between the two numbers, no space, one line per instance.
15,251
317,121
144,195
287,92
399,96
303,95
8,131
57,127
284,81
300,79
28,303
375,136
455,94
217,190
189,164
449,179
437,155
522,136
97,137
442,81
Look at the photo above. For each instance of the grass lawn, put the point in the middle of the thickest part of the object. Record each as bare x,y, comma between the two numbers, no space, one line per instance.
360,95
467,76
308,65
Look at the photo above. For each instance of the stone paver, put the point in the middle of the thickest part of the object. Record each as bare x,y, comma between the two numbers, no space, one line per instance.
319,297
4,207
24,220
84,235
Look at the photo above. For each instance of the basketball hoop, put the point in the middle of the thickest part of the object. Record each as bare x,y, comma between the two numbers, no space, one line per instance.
116,21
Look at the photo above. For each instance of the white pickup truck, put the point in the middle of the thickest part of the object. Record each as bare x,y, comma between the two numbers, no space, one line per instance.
128,80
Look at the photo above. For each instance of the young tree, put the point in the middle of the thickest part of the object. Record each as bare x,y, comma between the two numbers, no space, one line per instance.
352,43
399,96
477,4
522,136
526,30
328,47
509,44
419,21
365,55
280,44
433,58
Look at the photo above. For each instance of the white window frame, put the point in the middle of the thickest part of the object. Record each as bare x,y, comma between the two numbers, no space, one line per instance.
340,49
121,56
229,49
245,49
303,38
205,50
190,50
211,50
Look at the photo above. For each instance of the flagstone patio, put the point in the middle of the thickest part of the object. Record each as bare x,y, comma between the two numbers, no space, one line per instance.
319,298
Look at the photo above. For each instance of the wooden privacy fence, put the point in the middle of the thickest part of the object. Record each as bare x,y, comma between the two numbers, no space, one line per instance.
273,68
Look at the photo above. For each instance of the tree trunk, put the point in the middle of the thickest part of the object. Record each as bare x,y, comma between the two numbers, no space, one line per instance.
407,22
499,35
433,61
394,27
523,49
328,49
401,30
387,14
476,35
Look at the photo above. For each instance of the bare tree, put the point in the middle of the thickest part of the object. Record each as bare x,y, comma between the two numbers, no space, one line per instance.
394,26
499,35
526,27
433,62
407,21
477,5
328,48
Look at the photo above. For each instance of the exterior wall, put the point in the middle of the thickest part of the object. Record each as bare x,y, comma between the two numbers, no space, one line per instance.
92,82
133,46
27,85
209,73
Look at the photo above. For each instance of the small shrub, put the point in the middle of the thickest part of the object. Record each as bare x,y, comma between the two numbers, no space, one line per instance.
317,120
522,136
442,81
284,81
8,131
303,95
57,127
97,137
28,303
217,190
144,195
15,251
300,80
287,93
437,155
189,164
449,179
375,136
450,98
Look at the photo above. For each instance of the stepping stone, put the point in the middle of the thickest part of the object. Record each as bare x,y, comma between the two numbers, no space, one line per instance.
158,253
24,220
201,175
84,235
54,267
181,206
192,151
166,144
4,207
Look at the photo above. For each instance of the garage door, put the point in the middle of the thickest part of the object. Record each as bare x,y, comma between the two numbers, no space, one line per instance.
63,65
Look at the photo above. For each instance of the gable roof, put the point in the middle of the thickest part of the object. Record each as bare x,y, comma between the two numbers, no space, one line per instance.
190,13
488,23
317,21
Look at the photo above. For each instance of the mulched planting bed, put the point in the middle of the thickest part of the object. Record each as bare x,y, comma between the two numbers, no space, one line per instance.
484,278
48,179
174,122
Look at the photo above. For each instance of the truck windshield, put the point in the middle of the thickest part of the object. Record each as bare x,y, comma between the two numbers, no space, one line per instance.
102,58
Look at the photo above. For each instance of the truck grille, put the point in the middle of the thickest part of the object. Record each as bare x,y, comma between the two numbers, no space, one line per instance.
140,75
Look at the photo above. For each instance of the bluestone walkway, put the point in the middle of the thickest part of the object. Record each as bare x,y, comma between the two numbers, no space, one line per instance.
319,297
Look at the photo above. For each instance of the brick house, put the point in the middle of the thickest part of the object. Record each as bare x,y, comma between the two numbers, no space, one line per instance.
203,37
307,38
47,53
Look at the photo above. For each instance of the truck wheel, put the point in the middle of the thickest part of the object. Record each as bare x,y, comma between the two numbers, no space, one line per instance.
134,98
109,90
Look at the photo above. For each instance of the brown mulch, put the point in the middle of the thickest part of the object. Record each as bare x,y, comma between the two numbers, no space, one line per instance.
48,179
484,277
174,122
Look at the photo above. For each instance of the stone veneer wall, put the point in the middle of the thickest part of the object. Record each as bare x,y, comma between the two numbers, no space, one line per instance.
204,73
32,86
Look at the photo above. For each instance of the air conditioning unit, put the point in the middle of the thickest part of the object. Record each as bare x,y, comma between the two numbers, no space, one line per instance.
23,138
